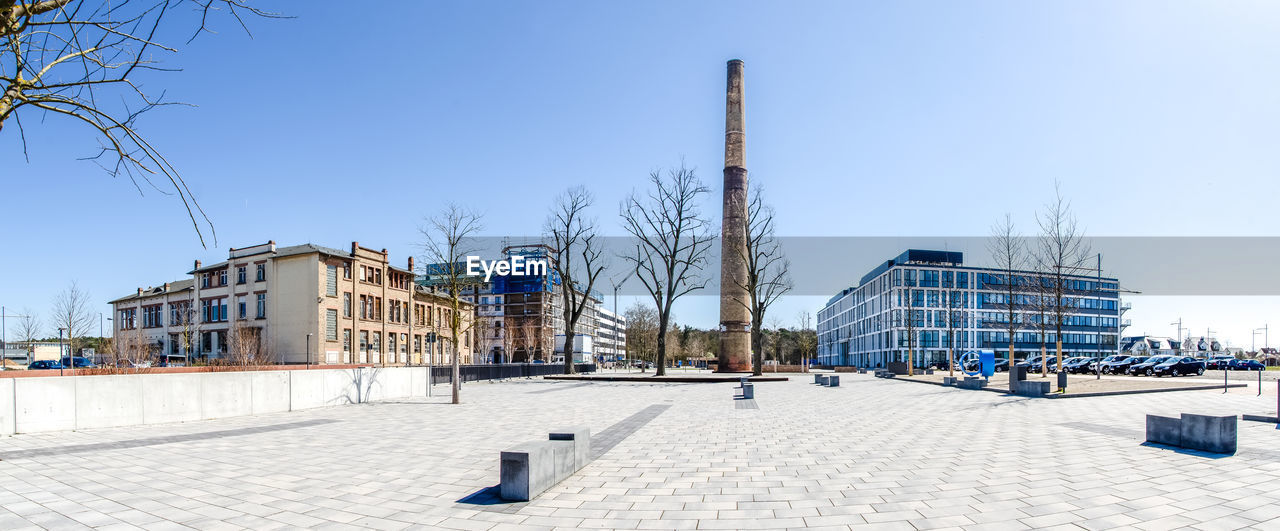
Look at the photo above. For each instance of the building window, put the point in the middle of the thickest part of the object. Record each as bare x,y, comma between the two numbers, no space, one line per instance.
404,343
346,270
241,275
261,274
331,281
213,310
222,277
346,340
391,343
241,308
152,316
376,346
346,304
331,325
364,341
262,305
128,318
417,343
204,280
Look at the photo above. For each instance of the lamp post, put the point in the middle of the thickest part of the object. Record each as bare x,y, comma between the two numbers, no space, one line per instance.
308,350
62,366
616,285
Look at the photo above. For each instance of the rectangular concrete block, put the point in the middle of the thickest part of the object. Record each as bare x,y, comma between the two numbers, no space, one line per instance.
225,394
948,380
170,398
817,378
890,374
44,404
270,390
833,381
748,391
1210,433
8,426
563,460
1033,388
581,437
861,370
1164,430
526,470
822,380
108,401
928,371
971,383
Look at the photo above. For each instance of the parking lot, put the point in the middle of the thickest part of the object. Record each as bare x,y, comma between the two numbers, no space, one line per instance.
869,454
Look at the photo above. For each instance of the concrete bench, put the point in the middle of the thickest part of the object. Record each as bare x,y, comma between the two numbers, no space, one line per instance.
862,370
833,381
948,380
748,391
822,380
1209,433
817,379
971,382
928,371
1033,388
531,468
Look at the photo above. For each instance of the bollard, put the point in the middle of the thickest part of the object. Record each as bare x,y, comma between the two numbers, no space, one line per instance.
1224,381
1259,383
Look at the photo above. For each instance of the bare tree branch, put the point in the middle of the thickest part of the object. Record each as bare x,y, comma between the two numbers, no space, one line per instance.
448,239
577,257
672,242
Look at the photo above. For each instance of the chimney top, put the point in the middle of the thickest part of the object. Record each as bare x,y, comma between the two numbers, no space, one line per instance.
354,246
139,291
197,265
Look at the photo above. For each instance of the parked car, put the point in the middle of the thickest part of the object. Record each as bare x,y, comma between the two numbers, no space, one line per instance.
1002,365
1147,367
44,364
1035,363
1246,365
1218,363
1176,366
1077,364
1116,363
81,362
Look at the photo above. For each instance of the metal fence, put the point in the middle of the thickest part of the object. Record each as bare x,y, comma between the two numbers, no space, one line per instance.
498,371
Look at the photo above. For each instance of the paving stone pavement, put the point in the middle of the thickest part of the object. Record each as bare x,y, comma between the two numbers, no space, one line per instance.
871,454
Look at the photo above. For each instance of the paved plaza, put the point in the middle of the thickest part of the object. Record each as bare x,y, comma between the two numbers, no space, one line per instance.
871,454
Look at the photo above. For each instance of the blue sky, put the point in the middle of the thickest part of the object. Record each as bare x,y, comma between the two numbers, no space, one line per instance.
863,118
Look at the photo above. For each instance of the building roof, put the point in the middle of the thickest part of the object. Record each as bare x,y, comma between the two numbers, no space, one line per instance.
173,287
292,250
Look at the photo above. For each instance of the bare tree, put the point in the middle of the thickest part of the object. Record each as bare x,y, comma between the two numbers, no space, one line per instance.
82,60
244,346
28,325
1062,251
1009,256
642,330
907,319
768,271
449,239
71,313
671,243
956,314
807,342
577,257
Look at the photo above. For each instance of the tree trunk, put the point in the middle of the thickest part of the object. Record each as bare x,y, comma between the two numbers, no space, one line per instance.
661,365
757,340
568,350
457,372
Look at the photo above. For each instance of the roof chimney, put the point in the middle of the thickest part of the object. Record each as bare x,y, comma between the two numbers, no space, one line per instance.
139,291
410,264
166,287
197,265
354,246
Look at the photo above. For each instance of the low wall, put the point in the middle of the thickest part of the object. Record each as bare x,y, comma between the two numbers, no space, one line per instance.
42,404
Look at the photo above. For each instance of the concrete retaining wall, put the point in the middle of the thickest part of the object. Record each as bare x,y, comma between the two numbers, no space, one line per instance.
42,404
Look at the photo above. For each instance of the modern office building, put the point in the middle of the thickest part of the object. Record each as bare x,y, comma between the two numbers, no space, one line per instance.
865,325
298,304
611,335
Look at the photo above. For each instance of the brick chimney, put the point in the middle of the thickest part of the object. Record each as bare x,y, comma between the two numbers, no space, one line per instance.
410,264
166,287
139,291
354,246
197,265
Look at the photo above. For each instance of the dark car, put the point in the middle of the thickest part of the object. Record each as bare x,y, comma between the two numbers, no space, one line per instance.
1176,366
1147,367
1110,363
1036,363
1122,366
1246,365
80,362
1077,365
44,364
1219,363
1002,365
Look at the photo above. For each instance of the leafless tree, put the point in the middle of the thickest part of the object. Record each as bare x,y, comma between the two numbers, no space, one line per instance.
28,325
907,319
1039,311
768,271
448,239
1009,257
807,342
1062,251
84,60
244,346
956,313
71,312
672,240
577,257
642,331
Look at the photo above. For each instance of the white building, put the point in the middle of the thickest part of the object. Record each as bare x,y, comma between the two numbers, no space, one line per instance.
611,335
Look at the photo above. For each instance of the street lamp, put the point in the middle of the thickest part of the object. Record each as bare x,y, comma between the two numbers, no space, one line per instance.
616,285
62,366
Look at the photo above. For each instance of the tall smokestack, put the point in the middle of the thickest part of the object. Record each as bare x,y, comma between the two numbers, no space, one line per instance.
735,319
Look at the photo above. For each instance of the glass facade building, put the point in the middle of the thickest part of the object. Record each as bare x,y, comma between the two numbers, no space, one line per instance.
867,325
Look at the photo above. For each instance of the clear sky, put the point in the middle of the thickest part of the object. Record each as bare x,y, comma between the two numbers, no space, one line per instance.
863,118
